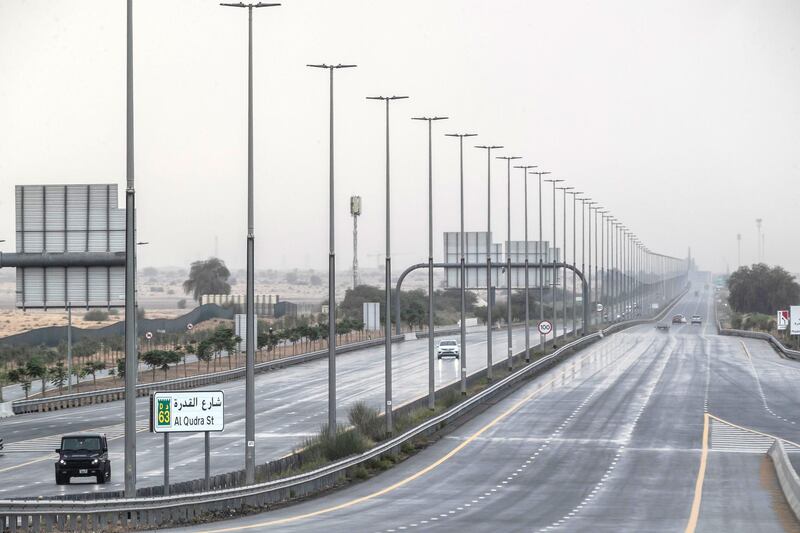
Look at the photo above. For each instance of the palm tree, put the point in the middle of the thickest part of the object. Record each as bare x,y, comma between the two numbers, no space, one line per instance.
36,369
207,277
58,375
204,353
19,375
91,368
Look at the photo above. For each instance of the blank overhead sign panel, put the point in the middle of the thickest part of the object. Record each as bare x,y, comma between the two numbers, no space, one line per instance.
475,261
55,219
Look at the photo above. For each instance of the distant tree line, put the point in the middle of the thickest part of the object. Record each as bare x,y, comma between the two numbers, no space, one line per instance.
762,289
413,305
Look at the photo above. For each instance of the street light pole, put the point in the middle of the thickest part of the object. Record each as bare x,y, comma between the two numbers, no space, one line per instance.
564,275
489,149
388,318
555,258
508,160
586,298
541,255
525,169
462,269
131,351
250,392
574,259
431,349
331,263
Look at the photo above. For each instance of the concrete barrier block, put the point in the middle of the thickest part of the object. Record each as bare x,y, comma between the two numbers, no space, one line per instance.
787,476
6,410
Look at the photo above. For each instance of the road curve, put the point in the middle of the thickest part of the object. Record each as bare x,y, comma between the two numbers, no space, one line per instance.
615,439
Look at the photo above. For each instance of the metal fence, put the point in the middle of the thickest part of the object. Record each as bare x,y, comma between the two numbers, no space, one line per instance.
53,335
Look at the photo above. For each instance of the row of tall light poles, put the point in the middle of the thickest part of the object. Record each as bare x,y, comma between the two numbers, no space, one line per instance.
658,266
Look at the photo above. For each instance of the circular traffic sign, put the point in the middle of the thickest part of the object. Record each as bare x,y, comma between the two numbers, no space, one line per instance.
189,326
599,307
545,327
148,335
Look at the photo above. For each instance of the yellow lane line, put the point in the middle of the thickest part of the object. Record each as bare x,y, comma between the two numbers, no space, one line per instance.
698,486
754,431
40,459
746,351
402,482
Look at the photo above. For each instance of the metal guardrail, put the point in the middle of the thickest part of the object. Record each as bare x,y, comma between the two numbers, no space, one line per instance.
777,344
136,513
66,401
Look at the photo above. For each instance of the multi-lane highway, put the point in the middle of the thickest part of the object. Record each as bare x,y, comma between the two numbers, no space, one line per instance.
612,440
291,406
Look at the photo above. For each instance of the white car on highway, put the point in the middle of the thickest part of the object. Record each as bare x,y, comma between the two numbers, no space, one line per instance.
448,348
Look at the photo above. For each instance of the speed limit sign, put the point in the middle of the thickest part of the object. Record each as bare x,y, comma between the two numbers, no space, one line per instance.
545,327
148,335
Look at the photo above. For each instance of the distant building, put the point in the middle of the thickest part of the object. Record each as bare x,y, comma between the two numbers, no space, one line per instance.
264,304
285,309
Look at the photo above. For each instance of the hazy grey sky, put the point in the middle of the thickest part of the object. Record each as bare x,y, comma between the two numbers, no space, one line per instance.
682,117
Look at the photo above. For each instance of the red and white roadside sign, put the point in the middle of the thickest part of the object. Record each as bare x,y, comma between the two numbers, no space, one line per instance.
783,320
189,326
148,335
545,327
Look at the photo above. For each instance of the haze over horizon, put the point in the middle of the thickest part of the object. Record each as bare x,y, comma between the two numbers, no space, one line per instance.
682,118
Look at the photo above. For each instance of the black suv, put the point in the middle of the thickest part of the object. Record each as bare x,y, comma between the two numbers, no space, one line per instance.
83,456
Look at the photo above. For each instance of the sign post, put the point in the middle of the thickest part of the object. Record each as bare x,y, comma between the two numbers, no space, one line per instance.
187,412
166,464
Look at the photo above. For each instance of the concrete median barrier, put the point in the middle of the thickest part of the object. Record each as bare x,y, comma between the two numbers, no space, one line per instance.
787,476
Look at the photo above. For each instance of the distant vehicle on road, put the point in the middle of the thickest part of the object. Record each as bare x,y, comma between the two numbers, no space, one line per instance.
663,325
448,348
697,319
679,319
84,455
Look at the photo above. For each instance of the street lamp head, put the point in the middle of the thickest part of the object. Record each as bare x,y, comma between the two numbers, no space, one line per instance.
526,167
386,97
509,157
429,118
325,65
542,173
485,147
564,188
462,135
554,181
241,4
142,243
